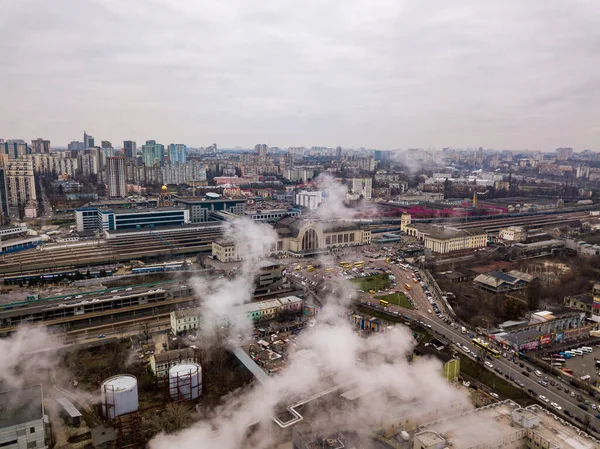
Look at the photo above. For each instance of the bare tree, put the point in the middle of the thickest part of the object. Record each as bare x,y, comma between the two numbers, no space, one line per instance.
172,419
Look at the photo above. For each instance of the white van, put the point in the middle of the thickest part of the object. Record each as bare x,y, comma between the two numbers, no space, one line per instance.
537,373
586,349
577,352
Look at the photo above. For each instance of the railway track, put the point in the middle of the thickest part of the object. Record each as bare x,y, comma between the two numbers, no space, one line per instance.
68,323
108,252
494,225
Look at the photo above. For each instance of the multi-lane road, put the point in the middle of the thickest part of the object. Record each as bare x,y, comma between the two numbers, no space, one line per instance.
519,372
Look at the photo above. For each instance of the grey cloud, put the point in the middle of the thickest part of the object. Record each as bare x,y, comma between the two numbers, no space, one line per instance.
387,74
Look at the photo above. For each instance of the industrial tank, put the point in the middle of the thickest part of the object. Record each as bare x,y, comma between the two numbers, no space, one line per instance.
185,381
119,395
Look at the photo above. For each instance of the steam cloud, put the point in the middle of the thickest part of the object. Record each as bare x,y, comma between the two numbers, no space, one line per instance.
21,368
219,297
338,356
336,206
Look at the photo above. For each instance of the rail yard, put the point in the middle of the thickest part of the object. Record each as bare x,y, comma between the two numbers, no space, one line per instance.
96,307
152,246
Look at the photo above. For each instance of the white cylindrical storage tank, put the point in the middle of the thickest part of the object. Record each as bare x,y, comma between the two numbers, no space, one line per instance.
119,395
185,381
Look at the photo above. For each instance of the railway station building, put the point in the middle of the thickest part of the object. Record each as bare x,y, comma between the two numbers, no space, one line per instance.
301,237
98,219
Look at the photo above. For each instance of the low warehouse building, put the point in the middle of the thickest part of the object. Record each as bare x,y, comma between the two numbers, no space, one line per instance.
500,282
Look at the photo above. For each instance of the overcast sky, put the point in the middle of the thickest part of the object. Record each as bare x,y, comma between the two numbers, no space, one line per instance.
516,74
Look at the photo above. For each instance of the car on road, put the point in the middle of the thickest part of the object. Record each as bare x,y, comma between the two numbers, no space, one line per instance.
467,350
488,364
568,413
101,336
543,383
494,395
556,406
525,373
543,398
531,392
537,373
583,407
594,407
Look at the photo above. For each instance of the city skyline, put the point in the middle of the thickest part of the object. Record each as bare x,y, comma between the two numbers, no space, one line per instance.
511,76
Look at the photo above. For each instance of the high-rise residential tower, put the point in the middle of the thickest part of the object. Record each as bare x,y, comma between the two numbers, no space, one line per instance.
153,153
40,146
14,148
261,153
177,153
115,174
20,182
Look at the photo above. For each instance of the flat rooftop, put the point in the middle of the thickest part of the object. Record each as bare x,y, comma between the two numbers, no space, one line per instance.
464,430
21,406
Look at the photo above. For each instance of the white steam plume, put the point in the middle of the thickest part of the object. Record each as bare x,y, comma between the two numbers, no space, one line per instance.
19,366
219,297
336,206
341,356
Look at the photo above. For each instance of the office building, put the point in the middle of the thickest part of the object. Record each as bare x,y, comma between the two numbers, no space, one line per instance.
309,200
177,153
97,219
106,144
187,319
201,208
563,154
153,153
362,187
88,141
75,145
14,148
261,153
129,147
22,418
20,182
40,146
115,174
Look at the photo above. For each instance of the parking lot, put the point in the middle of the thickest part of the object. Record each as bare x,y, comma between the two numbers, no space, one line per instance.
584,365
